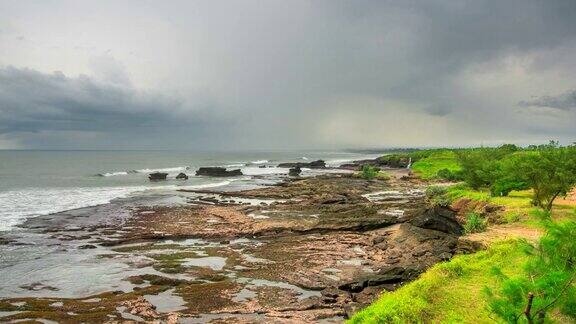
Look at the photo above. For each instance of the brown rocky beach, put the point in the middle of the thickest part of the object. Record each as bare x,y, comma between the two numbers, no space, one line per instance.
307,249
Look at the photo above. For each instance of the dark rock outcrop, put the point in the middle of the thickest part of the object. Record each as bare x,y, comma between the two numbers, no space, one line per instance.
218,172
319,164
381,162
295,171
182,176
439,219
156,176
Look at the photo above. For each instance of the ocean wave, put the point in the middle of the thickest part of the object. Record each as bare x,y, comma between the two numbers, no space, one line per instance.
172,169
252,171
259,162
235,165
19,205
112,174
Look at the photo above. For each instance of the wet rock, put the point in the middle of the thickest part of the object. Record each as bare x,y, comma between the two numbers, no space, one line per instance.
182,176
37,286
439,219
218,172
319,164
5,241
157,176
87,246
295,171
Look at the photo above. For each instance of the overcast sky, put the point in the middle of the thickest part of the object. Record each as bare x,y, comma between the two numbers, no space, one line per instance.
286,74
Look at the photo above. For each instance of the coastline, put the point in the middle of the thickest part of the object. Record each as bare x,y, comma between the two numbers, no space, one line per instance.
307,249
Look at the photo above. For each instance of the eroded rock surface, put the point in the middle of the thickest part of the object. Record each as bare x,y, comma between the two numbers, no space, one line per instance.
306,250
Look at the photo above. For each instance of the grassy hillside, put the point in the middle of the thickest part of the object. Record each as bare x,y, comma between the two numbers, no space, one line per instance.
428,167
450,292
454,291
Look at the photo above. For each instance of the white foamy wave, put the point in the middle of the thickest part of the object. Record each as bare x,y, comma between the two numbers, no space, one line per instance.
173,169
304,158
111,174
260,162
18,205
251,171
209,185
235,165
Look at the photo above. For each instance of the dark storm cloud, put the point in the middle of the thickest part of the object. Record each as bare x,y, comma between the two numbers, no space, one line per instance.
565,101
301,73
31,101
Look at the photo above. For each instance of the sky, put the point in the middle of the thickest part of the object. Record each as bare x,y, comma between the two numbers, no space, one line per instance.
257,75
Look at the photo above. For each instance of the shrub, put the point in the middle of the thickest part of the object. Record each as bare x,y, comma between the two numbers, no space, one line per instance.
474,223
369,172
434,191
511,216
540,214
437,196
548,283
449,175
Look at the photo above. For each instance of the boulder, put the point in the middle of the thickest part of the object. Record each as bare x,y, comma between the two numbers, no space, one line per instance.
319,164
295,171
218,172
182,176
439,219
156,176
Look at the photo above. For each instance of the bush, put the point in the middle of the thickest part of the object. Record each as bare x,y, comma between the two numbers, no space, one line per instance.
474,223
437,196
449,175
434,191
541,214
548,284
369,172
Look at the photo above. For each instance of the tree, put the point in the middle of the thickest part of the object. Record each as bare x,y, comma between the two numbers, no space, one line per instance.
550,171
548,282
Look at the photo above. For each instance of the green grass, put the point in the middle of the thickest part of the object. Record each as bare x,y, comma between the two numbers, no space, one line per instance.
428,167
449,292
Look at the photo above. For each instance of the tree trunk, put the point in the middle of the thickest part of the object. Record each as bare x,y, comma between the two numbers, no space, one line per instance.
528,309
551,201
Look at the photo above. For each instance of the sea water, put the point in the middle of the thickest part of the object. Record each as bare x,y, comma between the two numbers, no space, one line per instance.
34,183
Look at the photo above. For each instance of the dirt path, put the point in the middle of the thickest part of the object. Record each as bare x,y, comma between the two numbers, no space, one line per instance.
503,232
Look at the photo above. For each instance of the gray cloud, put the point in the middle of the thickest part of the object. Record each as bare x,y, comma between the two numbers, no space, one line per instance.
287,74
565,101
33,101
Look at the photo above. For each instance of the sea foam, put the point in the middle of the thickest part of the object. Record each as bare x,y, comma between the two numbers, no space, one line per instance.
19,205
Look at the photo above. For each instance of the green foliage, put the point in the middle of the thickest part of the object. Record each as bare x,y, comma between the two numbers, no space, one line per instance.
449,175
369,172
540,214
449,292
437,196
429,166
549,170
474,223
481,167
433,191
549,277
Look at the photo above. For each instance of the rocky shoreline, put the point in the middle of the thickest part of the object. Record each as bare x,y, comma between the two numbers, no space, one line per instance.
307,250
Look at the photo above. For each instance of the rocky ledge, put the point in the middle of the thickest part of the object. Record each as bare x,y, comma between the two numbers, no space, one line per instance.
306,250
218,172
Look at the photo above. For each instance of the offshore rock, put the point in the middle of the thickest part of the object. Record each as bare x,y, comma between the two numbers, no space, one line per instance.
156,176
218,172
319,164
295,171
182,176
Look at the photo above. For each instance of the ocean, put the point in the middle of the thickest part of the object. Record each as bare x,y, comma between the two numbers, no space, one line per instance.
34,183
